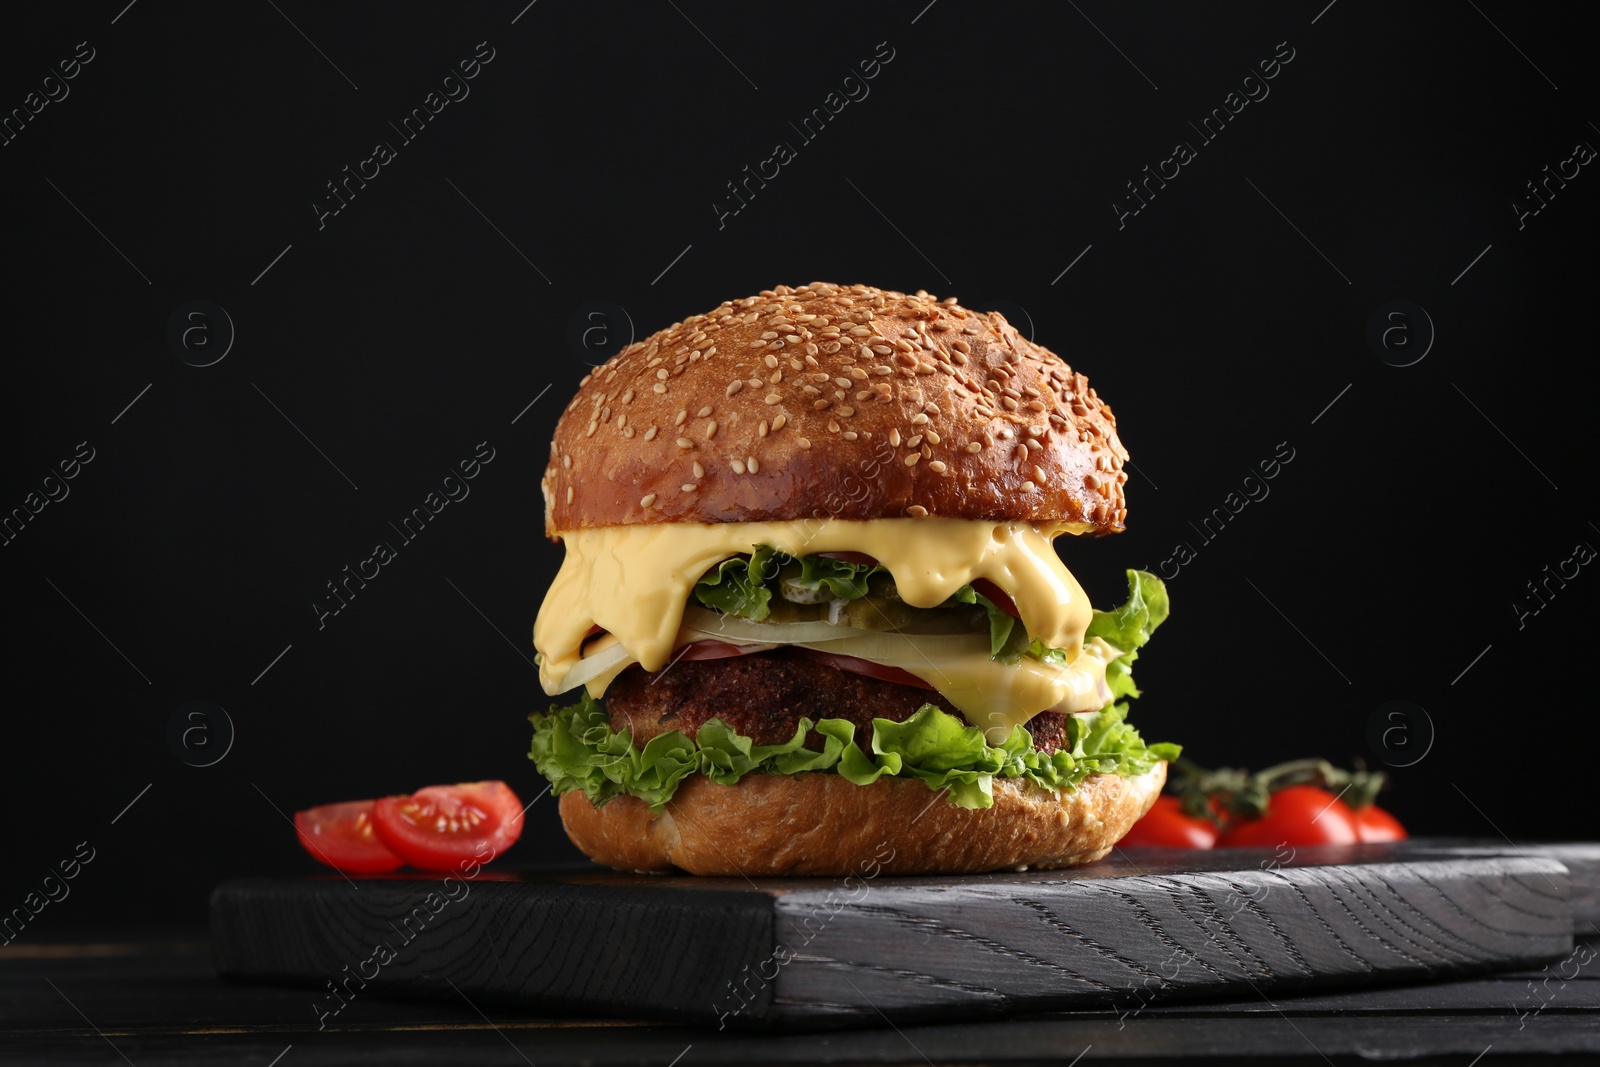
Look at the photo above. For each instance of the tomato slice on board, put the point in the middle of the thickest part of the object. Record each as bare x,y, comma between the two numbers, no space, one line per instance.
996,595
444,826
1296,815
864,666
1375,824
342,836
1167,825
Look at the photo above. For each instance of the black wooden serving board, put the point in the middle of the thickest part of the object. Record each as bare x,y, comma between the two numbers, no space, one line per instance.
1143,925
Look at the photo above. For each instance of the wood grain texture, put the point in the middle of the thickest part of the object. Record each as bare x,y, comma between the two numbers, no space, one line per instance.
561,944
1140,929
910,952
159,1004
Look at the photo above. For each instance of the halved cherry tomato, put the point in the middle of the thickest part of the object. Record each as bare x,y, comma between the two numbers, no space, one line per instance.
864,666
1001,600
1167,825
342,836
1296,815
1375,824
442,826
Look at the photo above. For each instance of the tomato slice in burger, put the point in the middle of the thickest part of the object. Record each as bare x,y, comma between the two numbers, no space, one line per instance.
997,596
443,827
856,665
342,836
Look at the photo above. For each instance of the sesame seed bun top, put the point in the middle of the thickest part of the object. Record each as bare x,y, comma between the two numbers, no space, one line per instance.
833,401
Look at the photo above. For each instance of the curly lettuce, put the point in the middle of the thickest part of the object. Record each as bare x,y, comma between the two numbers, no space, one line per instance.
578,751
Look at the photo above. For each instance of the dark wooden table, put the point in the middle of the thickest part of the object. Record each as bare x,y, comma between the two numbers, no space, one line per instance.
154,1002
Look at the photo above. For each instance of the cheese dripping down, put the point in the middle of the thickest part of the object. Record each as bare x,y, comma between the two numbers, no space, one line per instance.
635,581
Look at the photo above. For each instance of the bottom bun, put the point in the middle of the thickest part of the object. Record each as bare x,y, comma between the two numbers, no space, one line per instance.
815,823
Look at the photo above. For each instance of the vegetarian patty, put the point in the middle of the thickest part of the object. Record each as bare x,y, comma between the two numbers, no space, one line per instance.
764,695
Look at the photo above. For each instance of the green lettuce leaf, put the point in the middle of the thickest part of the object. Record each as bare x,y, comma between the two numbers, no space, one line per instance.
845,580
576,749
1128,628
738,586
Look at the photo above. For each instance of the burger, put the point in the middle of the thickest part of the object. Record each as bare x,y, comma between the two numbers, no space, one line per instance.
811,610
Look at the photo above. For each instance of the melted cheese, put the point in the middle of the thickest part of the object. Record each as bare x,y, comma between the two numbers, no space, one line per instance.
634,582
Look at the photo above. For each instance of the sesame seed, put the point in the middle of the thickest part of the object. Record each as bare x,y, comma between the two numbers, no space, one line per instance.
1010,404
770,360
663,374
752,465
684,442
590,431
933,438
777,376
914,441
1033,445
961,346
627,398
700,472
779,422
974,446
650,434
937,466
804,442
703,412
773,398
1027,485
850,435
566,461
733,387
1038,475
689,487
821,404
911,460
711,429
646,500
569,494
894,437
738,466
919,419
917,511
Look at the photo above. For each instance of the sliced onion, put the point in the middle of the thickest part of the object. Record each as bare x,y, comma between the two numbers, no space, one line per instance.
596,664
734,630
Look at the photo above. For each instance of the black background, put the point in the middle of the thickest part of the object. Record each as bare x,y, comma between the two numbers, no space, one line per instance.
987,157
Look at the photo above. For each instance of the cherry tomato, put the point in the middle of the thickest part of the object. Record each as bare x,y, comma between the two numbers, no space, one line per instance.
1375,824
864,666
1167,825
1296,815
443,826
996,595
342,836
